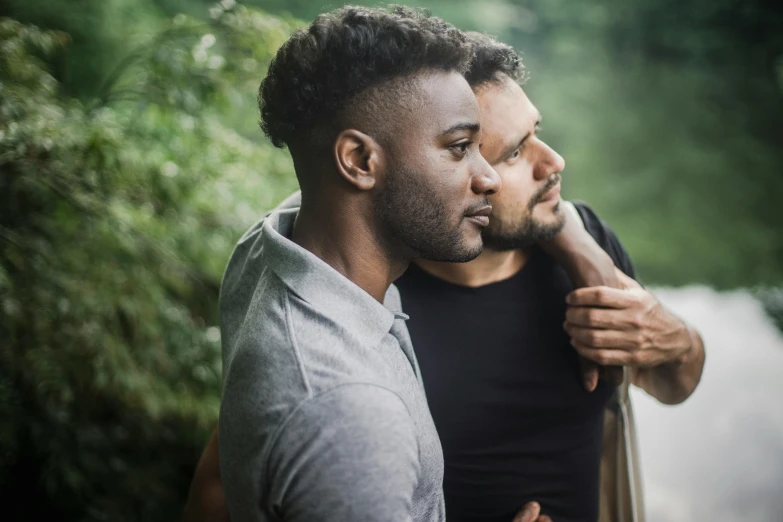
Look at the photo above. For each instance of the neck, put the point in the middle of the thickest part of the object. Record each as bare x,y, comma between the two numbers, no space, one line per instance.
490,267
348,244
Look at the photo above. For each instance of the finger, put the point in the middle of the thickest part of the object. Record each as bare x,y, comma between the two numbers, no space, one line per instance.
603,357
589,371
544,518
528,513
595,338
608,318
625,281
612,375
601,296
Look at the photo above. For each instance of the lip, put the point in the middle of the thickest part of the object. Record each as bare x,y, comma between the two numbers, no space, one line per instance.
480,216
552,194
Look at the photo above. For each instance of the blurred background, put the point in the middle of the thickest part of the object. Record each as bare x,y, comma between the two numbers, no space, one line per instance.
131,162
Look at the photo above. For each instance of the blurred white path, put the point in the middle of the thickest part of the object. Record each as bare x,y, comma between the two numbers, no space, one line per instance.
719,456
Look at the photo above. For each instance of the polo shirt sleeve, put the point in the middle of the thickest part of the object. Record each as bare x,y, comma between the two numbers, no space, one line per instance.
350,454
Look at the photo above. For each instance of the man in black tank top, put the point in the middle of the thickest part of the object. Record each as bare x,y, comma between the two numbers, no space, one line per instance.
502,383
518,420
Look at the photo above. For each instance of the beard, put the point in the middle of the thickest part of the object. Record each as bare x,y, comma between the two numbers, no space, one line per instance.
524,231
418,223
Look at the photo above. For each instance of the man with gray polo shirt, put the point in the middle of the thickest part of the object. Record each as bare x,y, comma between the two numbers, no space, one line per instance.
323,414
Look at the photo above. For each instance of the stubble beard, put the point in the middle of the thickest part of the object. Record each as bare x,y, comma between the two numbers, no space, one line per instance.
418,224
524,231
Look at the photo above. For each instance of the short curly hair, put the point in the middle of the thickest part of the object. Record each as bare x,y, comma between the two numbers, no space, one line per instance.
318,73
492,59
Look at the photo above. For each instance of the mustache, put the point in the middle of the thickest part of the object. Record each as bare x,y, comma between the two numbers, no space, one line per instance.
478,206
554,179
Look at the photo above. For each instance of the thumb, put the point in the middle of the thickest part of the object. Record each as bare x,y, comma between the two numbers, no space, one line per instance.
589,371
528,513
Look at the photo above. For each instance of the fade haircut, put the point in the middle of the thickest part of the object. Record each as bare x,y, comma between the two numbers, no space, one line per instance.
324,76
492,59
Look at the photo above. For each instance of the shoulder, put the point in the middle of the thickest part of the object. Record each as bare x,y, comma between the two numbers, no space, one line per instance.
605,237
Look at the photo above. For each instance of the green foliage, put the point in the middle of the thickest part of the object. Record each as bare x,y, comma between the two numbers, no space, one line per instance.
116,219
670,117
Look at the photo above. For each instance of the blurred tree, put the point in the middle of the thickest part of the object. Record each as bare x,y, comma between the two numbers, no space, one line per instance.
101,34
116,219
670,117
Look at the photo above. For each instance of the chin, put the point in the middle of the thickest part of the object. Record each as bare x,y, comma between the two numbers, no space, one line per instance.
472,253
549,216
471,247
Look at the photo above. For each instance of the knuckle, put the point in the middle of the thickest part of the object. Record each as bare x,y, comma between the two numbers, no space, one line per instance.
636,320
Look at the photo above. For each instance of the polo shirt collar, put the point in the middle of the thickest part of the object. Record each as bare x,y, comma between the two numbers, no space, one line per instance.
320,285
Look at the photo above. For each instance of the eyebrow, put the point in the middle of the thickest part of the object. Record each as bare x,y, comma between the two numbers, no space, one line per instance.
472,127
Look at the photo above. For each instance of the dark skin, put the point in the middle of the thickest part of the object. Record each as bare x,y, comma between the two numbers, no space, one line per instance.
337,221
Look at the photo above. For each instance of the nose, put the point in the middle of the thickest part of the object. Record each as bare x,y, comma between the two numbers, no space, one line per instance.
484,179
550,162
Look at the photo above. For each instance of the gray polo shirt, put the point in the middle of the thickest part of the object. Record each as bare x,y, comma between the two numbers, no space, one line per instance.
323,415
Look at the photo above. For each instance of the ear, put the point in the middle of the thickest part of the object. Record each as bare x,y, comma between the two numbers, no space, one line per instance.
358,158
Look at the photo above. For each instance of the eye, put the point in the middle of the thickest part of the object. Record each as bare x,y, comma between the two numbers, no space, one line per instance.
515,155
461,148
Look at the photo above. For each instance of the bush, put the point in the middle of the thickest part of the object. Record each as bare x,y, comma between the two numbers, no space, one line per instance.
116,219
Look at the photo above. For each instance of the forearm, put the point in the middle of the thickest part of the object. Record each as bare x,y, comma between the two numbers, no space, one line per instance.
673,382
206,499
587,265
585,262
